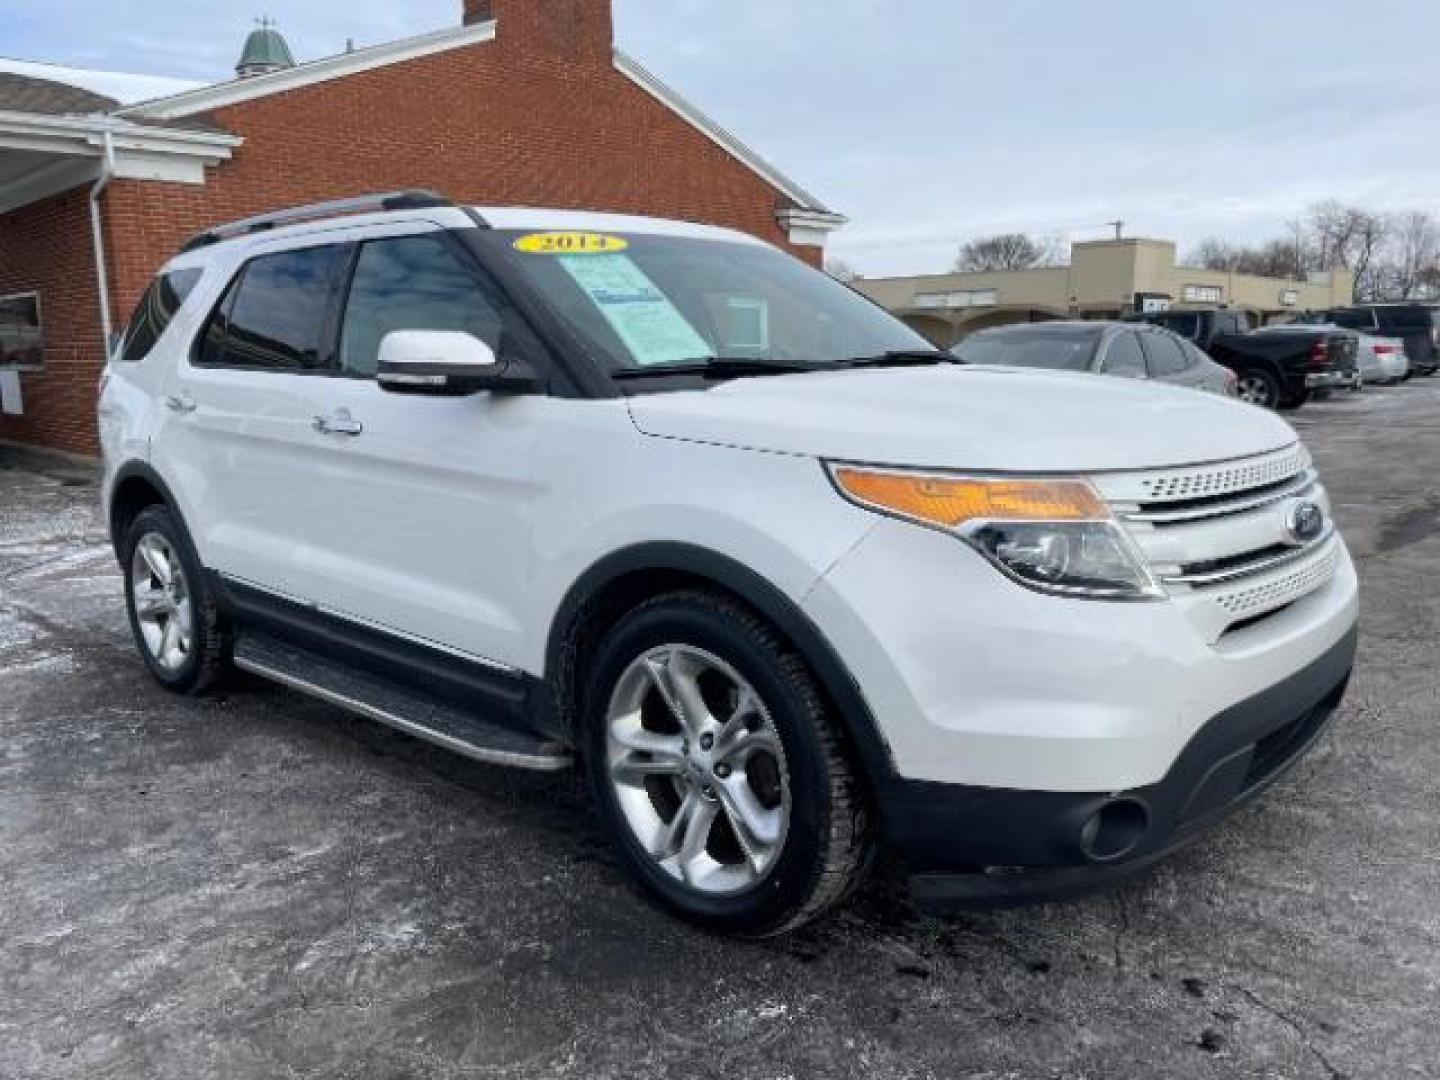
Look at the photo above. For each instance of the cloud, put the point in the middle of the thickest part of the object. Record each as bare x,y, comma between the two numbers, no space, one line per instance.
930,121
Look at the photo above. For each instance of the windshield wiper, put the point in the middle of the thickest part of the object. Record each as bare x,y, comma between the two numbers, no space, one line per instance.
722,367
901,358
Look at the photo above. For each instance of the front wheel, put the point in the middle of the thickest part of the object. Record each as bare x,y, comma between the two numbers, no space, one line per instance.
718,770
1256,386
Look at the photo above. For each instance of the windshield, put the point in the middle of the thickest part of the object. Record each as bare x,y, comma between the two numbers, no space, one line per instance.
1056,350
646,303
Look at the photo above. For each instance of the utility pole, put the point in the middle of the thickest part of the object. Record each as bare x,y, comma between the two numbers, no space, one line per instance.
1119,227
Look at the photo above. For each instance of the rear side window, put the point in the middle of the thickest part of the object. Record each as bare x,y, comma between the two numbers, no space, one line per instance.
412,283
152,315
274,315
1124,357
1166,355
1411,319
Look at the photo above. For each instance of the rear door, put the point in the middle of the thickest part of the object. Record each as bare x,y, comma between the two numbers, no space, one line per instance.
237,438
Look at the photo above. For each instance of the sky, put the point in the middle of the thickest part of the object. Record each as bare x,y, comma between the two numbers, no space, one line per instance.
928,122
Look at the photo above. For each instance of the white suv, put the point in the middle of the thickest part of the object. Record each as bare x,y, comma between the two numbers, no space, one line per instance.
548,487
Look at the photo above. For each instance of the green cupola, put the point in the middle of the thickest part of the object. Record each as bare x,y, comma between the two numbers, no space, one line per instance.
265,51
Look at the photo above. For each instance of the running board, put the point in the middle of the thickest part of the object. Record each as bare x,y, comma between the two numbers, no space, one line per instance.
400,707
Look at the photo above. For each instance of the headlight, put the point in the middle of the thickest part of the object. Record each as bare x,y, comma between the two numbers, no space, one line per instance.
1054,535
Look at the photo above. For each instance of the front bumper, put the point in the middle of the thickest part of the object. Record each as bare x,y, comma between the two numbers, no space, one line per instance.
965,846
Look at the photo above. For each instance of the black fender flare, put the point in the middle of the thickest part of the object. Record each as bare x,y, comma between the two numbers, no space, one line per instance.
135,470
855,715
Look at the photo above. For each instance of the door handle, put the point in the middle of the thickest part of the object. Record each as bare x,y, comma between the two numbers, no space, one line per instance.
340,422
181,403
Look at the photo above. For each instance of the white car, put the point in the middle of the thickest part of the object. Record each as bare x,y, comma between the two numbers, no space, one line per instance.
657,499
1380,361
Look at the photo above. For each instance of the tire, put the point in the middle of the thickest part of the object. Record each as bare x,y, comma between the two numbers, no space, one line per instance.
677,810
1258,387
166,594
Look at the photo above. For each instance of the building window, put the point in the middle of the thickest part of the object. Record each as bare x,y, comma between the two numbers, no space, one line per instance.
1204,294
963,298
22,338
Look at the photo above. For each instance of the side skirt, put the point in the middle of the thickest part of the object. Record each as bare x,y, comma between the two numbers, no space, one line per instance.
476,709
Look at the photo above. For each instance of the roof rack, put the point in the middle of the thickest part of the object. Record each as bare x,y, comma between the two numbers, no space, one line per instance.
362,204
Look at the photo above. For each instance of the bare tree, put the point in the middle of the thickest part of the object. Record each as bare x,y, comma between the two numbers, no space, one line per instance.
1008,251
840,270
1213,253
1350,238
1414,259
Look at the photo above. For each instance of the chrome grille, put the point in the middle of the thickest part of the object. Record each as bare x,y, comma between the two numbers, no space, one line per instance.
1278,592
1223,479
1216,536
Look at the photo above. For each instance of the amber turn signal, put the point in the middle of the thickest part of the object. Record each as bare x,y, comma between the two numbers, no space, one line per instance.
952,502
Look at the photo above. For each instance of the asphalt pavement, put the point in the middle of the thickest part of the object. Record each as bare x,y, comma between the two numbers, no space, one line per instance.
258,885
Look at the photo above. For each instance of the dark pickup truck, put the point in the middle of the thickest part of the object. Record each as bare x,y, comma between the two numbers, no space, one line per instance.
1277,369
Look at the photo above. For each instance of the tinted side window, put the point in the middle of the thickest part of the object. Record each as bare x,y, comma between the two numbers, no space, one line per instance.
1353,318
1410,319
154,312
980,350
1166,356
1184,323
274,314
1125,358
414,283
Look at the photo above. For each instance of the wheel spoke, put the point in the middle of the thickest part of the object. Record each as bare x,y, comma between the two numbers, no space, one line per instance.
150,605
156,560
684,677
737,725
167,641
747,813
749,743
684,840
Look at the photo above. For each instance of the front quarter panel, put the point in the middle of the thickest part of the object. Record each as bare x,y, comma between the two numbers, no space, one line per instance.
608,488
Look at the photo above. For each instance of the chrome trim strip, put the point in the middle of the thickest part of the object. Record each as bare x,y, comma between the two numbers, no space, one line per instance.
534,762
1254,569
1299,485
370,624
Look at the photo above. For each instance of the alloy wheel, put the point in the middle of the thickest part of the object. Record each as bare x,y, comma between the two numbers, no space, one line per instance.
698,769
1253,389
164,609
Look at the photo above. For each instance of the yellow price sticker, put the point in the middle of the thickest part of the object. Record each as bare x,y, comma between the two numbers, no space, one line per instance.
570,243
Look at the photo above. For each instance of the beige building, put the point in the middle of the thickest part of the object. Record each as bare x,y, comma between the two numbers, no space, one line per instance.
1105,280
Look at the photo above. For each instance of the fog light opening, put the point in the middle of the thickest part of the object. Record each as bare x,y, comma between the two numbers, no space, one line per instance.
1115,830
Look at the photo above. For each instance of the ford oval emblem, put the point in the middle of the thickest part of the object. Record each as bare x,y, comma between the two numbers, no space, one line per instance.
1304,522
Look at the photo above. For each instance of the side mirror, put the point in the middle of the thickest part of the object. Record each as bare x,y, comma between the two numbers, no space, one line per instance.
448,363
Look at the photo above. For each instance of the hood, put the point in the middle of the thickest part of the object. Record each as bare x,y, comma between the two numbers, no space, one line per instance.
967,418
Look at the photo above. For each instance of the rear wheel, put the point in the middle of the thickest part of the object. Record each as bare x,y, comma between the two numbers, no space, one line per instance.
181,634
1258,387
716,767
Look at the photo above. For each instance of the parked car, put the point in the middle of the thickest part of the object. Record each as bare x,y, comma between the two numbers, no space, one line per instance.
1101,348
658,500
1381,360
1277,371
1418,325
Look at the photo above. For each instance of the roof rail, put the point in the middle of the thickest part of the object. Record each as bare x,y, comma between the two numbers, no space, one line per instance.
362,204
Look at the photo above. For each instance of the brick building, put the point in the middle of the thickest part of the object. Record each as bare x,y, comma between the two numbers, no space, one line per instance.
524,102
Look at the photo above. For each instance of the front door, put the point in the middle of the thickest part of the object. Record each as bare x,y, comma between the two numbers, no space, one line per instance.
419,507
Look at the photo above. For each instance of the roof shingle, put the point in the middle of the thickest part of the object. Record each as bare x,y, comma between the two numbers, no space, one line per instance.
20,93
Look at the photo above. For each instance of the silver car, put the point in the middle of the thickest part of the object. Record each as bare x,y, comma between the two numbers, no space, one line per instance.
1382,360
1128,350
